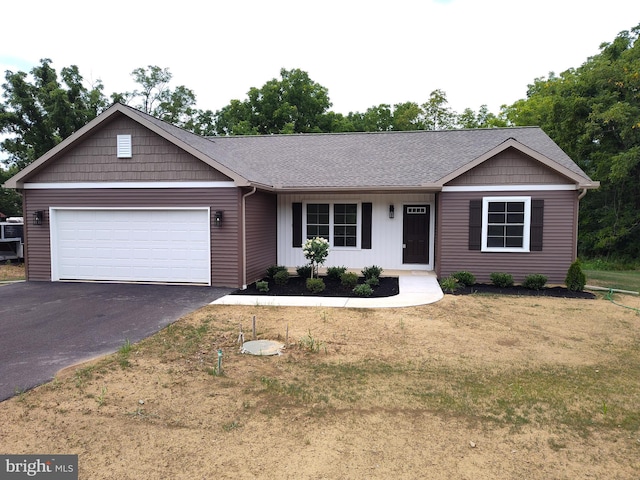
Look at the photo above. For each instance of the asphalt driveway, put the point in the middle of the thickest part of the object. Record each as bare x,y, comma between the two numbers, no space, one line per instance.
45,327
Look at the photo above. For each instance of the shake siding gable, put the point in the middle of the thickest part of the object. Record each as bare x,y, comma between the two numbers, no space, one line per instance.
94,159
553,260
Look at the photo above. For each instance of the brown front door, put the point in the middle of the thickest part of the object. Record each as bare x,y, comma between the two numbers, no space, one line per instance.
415,234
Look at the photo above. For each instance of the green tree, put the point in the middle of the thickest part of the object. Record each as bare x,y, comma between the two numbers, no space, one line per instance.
173,105
291,104
592,112
437,115
40,109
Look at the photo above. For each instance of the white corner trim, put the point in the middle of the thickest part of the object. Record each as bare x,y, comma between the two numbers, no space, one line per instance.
95,185
509,188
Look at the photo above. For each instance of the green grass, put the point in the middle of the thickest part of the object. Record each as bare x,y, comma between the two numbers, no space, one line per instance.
619,279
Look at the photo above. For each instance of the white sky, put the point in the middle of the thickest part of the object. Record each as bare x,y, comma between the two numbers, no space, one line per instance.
365,52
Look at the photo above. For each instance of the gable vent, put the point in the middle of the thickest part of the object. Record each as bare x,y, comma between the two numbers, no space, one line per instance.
124,146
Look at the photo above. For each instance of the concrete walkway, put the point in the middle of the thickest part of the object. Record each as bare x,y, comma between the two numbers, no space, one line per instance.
416,288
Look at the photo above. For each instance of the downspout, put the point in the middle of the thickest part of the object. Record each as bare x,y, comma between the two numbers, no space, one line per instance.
582,194
580,197
244,236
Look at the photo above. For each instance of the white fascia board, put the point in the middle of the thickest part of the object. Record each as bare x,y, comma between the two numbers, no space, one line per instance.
509,188
104,185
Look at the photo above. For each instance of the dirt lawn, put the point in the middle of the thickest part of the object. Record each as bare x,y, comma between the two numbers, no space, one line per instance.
472,387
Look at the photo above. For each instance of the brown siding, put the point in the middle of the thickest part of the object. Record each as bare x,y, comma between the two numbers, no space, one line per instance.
559,241
154,159
225,242
262,237
510,167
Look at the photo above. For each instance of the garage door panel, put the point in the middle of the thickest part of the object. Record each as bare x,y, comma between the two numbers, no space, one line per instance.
131,245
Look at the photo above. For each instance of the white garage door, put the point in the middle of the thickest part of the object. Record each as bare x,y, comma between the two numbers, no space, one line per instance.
131,245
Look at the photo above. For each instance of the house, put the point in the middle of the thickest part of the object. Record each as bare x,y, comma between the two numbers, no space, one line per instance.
131,198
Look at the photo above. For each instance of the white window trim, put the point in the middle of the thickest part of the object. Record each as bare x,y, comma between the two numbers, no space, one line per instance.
526,228
331,223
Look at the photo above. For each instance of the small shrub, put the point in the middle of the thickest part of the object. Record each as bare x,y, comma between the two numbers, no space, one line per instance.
273,269
576,279
349,279
262,286
449,284
464,278
501,279
334,273
535,281
315,285
304,271
281,278
373,281
372,271
363,290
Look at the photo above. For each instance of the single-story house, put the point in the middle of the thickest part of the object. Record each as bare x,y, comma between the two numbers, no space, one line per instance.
130,198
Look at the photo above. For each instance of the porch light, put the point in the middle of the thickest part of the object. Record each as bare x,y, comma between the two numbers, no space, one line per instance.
38,217
217,218
391,211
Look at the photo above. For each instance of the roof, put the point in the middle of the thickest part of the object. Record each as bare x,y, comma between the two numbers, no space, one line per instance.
384,160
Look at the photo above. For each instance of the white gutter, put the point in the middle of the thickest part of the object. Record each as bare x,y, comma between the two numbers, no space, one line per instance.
244,237
582,194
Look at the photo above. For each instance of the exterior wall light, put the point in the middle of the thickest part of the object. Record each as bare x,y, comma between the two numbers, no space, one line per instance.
38,217
392,211
217,218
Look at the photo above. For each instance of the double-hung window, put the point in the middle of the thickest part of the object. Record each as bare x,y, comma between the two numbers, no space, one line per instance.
337,222
506,224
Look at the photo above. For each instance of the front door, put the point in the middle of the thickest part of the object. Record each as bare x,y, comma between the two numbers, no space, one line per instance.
415,234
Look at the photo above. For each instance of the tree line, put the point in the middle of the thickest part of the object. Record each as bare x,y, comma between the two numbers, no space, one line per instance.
592,112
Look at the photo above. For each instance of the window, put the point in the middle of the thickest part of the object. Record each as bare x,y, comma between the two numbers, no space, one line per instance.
318,220
345,224
506,224
337,222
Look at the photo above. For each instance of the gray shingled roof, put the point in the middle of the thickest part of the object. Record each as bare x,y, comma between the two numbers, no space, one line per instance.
368,160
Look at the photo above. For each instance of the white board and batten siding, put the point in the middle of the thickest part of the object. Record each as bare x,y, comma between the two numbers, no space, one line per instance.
145,245
386,248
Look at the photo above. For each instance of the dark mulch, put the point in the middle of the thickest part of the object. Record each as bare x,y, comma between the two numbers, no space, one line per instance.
296,286
561,292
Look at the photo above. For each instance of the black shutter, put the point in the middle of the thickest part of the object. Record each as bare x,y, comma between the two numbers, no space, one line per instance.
366,225
537,221
297,224
475,225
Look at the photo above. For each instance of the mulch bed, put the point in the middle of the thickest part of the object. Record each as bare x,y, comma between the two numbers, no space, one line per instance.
296,286
488,289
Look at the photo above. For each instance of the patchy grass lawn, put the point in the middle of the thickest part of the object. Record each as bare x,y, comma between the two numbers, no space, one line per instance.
477,387
619,279
11,271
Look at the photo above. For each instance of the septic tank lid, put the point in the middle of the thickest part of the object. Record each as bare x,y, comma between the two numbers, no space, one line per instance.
262,347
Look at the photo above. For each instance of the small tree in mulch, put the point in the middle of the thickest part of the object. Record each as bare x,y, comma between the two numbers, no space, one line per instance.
316,250
576,279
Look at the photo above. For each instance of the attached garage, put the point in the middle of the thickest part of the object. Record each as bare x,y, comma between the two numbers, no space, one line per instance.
128,244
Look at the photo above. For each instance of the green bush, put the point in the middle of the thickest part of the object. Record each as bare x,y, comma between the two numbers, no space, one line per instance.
464,278
349,279
334,273
363,290
501,279
449,284
373,281
304,271
273,269
262,286
372,271
315,285
281,278
575,279
535,281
